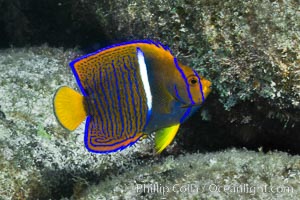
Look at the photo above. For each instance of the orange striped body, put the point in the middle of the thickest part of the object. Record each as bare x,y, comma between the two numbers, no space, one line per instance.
115,98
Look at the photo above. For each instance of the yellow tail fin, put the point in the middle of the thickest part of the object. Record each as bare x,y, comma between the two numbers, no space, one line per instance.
69,107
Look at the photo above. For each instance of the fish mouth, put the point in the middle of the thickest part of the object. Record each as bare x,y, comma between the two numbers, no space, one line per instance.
191,105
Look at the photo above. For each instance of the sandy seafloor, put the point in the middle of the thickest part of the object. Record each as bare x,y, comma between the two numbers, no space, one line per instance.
41,160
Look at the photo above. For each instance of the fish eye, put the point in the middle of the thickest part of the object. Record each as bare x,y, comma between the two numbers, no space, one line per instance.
193,80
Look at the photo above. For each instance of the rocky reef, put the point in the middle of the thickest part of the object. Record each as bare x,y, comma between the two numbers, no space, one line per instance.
248,49
229,175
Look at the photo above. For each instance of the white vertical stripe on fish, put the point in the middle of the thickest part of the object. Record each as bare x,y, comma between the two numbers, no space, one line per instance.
144,76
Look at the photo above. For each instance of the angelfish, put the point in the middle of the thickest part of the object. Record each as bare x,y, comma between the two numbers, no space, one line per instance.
129,90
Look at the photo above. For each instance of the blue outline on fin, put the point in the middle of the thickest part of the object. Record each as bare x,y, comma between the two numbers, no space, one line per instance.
86,130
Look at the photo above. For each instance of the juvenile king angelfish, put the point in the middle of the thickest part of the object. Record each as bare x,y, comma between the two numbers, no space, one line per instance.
129,90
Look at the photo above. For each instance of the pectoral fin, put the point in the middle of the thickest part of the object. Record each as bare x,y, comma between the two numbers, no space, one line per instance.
162,100
164,137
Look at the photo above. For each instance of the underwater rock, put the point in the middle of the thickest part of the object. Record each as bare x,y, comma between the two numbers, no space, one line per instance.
41,160
248,49
230,174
